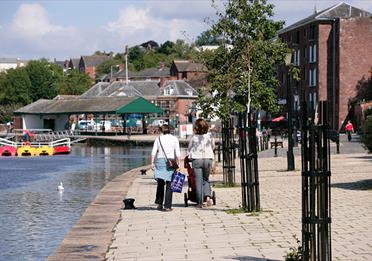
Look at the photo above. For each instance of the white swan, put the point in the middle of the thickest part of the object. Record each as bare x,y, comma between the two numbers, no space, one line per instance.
60,187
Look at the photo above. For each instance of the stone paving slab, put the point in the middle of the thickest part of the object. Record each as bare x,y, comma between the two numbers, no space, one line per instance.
188,233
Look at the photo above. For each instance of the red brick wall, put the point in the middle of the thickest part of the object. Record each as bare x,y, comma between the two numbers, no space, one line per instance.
196,75
355,58
182,106
91,71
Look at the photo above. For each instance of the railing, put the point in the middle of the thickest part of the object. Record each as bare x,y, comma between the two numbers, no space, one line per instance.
36,144
6,142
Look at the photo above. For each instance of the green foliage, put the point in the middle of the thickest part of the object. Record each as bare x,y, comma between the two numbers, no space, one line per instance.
44,77
248,69
208,37
140,58
367,112
105,67
6,111
15,87
367,133
74,83
295,253
166,48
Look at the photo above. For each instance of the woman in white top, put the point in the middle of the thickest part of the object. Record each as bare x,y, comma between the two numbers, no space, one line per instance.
168,144
200,151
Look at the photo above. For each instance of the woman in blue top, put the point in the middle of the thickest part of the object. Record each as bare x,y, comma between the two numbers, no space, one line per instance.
165,146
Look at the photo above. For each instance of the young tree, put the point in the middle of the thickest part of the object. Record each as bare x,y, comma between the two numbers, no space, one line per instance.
244,75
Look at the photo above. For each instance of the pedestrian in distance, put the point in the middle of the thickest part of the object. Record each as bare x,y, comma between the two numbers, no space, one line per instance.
166,146
349,129
200,152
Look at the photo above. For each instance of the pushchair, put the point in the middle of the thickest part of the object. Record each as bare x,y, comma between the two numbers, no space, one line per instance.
191,191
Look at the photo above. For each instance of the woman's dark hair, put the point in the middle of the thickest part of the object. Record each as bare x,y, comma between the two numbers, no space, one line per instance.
164,129
201,126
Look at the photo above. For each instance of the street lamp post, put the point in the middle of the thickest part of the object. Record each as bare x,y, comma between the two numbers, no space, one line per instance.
290,156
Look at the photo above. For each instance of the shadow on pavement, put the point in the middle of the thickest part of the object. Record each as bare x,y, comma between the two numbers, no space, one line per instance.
364,157
358,185
252,258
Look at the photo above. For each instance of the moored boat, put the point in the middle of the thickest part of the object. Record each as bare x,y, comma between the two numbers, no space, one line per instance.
61,150
8,151
44,151
26,151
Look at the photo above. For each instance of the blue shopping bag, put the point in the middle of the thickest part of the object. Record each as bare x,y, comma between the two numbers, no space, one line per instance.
177,182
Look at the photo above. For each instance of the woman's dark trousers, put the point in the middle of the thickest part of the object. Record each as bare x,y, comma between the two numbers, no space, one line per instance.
160,193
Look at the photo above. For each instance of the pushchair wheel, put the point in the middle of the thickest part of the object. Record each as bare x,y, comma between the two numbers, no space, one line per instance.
186,199
214,197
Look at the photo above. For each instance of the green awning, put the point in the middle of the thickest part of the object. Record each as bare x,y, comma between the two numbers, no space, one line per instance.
139,105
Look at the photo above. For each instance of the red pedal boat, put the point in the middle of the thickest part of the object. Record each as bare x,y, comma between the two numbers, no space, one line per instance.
8,151
61,150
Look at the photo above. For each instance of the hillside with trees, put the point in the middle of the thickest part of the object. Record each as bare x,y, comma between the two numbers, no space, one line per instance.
150,55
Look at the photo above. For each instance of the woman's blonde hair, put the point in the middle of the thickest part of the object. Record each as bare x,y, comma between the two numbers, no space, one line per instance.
201,126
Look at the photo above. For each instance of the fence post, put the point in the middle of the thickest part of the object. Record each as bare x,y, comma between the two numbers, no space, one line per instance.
248,164
316,197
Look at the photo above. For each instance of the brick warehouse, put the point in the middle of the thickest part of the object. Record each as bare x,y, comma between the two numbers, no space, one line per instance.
333,50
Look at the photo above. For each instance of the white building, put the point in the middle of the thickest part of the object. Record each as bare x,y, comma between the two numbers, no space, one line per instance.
11,63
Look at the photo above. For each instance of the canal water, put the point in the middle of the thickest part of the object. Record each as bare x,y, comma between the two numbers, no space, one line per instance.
34,215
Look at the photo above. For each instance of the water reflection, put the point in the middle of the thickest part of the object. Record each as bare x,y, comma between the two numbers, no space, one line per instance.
35,216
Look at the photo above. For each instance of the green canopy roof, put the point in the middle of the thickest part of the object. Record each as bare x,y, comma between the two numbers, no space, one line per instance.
140,105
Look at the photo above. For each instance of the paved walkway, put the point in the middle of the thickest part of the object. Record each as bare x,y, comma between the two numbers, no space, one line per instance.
188,233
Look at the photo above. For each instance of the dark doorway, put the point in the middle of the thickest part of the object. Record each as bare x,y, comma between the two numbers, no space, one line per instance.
49,124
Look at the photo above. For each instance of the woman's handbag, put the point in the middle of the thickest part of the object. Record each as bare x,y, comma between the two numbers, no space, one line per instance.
177,182
171,163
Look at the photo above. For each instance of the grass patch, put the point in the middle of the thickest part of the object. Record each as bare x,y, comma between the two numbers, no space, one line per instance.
235,211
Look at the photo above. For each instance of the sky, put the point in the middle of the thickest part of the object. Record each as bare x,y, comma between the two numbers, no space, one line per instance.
63,29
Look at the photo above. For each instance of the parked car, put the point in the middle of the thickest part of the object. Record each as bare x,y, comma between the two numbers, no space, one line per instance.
85,125
157,123
105,125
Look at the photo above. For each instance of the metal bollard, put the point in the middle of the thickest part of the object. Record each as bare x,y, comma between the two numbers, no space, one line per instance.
275,147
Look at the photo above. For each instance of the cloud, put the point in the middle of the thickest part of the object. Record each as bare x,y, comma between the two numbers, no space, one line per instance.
31,21
32,29
136,24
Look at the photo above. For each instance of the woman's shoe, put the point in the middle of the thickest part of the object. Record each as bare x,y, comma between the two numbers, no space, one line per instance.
168,209
159,207
199,206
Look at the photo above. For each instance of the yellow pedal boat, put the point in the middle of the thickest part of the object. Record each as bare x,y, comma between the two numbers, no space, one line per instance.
26,151
44,151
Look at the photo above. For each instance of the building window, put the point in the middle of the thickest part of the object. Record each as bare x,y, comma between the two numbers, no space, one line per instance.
296,57
312,32
312,77
312,53
296,103
189,92
296,38
312,100
169,90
